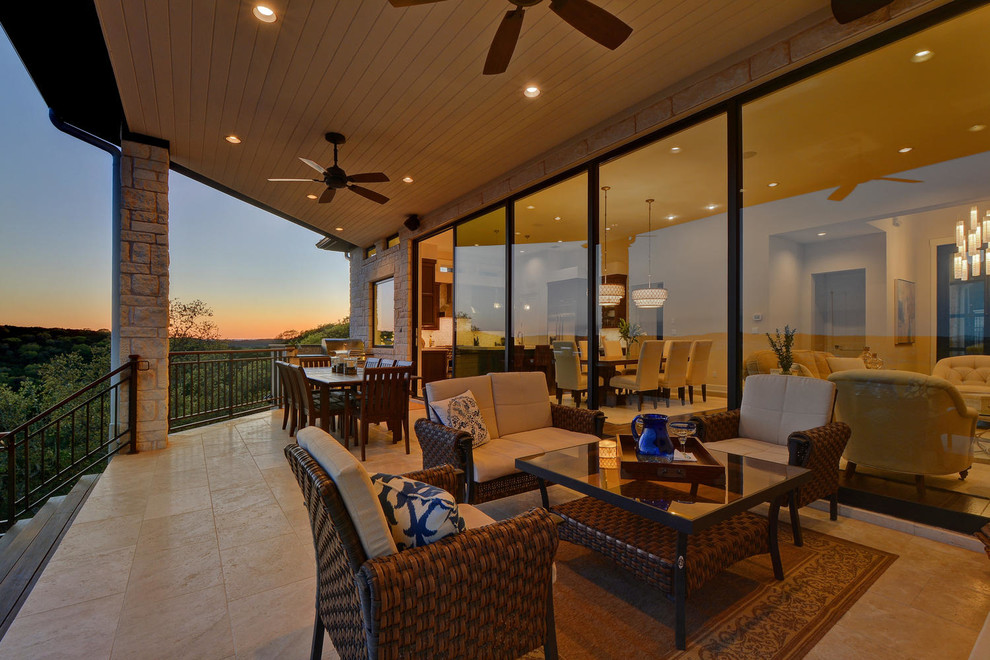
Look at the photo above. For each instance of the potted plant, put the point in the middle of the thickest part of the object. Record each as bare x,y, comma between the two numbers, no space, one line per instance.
629,332
781,346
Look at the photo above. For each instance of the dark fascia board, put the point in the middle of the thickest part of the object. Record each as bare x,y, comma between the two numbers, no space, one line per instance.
63,49
61,45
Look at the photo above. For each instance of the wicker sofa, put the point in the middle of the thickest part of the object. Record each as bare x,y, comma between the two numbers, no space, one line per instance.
521,420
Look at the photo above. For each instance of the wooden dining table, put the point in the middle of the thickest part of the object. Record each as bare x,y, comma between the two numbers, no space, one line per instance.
327,379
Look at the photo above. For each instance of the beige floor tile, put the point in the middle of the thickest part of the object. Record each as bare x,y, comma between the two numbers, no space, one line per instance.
170,503
276,623
263,565
113,505
254,523
181,458
84,631
233,499
228,472
193,626
80,579
163,574
85,539
268,460
177,530
179,480
965,607
232,446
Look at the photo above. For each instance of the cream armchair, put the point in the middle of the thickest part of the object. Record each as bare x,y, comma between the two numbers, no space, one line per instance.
970,374
904,421
567,371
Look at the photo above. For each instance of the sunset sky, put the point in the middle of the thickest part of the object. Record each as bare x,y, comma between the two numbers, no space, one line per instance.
260,274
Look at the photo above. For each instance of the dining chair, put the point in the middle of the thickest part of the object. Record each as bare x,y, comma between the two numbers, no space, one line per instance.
409,374
567,371
675,368
315,361
308,410
386,362
583,354
647,373
288,384
372,363
613,348
697,372
384,398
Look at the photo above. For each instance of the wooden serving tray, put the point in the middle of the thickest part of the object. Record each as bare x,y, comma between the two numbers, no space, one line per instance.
706,470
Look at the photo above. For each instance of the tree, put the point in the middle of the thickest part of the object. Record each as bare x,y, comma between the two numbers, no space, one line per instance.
190,327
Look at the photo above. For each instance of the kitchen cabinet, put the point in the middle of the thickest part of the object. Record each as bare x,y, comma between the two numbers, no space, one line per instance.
429,298
433,364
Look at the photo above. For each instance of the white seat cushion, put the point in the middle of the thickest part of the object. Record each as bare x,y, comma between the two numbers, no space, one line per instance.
481,388
751,448
550,438
522,401
498,458
354,484
773,407
474,517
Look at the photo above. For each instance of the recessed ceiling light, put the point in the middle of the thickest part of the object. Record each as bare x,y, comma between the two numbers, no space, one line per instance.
475,245
531,92
712,207
264,13
821,233
530,207
671,217
772,184
407,179
522,251
976,128
311,196
560,240
233,139
922,55
526,307
904,150
608,229
675,150
557,218
339,228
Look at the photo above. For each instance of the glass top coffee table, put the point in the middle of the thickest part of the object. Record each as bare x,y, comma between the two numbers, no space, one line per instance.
670,531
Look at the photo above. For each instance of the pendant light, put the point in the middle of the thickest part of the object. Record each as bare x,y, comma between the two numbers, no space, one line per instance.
651,297
609,295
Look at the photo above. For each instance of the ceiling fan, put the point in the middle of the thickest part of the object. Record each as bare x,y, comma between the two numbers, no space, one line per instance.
336,178
846,189
847,11
585,17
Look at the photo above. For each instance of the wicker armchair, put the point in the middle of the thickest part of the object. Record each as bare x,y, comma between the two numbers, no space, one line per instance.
485,589
442,445
817,449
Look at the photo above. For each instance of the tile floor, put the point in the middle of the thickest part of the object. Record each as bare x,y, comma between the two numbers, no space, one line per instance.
203,550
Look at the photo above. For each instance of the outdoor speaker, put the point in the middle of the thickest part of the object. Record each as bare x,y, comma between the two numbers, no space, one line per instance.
412,222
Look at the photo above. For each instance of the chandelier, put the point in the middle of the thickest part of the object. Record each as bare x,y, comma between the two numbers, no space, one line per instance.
971,246
609,295
651,297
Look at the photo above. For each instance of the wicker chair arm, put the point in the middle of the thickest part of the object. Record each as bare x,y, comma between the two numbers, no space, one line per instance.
485,588
446,477
442,445
819,449
579,420
720,426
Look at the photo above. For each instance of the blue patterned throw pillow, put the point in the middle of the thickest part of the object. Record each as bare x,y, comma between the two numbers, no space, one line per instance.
461,412
417,513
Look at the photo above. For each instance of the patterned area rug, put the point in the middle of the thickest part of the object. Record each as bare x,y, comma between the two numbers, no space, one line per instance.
604,612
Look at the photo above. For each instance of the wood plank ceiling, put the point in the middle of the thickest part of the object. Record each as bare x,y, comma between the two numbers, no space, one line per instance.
404,86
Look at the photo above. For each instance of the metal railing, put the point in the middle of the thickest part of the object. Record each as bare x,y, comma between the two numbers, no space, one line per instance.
207,386
46,455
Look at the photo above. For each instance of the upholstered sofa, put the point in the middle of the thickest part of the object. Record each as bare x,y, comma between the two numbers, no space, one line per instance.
906,422
785,419
521,421
970,374
818,364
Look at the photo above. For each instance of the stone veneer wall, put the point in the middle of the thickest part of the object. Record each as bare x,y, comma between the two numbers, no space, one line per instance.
144,283
801,45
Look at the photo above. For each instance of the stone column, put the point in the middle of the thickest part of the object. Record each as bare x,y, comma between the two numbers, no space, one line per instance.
144,283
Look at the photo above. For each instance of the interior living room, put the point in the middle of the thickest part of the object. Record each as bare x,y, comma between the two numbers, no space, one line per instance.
682,332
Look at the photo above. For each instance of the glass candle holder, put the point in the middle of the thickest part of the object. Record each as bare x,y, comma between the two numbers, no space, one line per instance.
608,454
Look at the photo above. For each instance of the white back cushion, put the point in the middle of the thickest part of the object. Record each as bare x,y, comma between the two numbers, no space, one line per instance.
481,388
773,407
844,363
355,488
522,401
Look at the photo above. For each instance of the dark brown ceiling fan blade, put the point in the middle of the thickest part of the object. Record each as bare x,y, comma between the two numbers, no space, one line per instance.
412,3
368,177
894,178
316,166
306,180
327,195
370,194
842,192
592,21
847,11
504,42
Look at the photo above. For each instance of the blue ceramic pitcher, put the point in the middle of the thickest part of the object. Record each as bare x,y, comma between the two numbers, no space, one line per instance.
653,444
